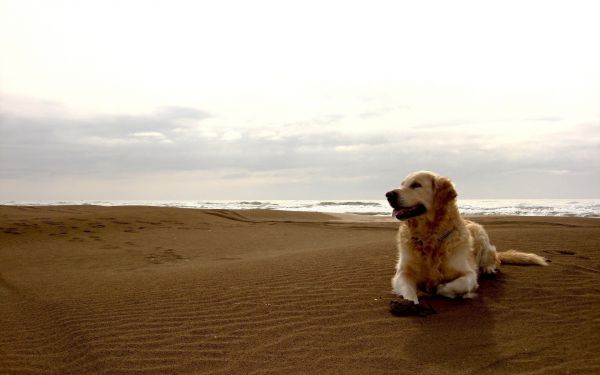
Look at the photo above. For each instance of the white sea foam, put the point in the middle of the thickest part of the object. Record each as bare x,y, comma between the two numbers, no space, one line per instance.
471,207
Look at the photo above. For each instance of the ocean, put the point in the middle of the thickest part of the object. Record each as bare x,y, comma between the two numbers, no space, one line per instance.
468,207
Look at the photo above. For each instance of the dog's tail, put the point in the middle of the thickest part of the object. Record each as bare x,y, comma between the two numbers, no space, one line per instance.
517,257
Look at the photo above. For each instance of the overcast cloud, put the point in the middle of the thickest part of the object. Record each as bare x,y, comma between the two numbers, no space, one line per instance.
315,158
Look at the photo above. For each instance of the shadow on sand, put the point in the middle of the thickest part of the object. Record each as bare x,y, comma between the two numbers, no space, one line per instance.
461,330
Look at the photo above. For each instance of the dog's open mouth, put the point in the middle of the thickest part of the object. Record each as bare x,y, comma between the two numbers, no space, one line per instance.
403,213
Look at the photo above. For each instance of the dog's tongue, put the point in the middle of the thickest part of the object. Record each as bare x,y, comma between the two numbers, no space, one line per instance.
401,211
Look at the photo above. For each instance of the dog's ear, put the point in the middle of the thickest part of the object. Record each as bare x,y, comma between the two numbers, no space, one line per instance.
444,191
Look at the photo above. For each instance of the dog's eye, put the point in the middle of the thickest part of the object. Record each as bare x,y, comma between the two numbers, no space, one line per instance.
415,185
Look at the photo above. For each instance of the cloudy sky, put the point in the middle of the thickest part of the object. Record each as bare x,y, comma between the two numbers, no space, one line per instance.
297,100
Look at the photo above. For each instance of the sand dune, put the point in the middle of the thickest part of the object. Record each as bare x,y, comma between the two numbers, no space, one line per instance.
87,289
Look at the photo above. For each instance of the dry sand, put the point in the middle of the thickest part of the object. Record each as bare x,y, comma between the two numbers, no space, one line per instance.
87,289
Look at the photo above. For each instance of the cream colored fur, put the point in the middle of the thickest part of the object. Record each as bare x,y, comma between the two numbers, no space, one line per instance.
438,251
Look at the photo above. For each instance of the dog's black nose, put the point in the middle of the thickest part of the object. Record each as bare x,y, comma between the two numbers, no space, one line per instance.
391,196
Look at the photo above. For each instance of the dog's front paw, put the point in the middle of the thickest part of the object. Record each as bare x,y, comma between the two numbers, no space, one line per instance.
407,296
444,290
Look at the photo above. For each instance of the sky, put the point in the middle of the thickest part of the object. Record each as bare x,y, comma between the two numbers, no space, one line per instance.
200,100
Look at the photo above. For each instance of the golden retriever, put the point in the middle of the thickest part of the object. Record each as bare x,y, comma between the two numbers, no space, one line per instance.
438,251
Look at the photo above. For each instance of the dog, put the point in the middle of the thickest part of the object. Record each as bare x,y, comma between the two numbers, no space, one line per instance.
439,252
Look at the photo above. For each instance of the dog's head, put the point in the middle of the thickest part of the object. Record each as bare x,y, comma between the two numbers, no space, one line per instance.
420,192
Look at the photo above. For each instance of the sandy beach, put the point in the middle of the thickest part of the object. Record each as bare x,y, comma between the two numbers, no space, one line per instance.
122,290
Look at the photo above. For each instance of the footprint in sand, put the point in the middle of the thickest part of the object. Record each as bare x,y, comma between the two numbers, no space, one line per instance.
559,252
50,222
567,252
149,222
168,255
11,231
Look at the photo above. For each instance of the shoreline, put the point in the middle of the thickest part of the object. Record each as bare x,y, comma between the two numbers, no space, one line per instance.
89,289
368,216
468,207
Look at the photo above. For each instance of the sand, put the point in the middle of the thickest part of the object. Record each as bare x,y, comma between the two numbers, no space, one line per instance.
120,290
